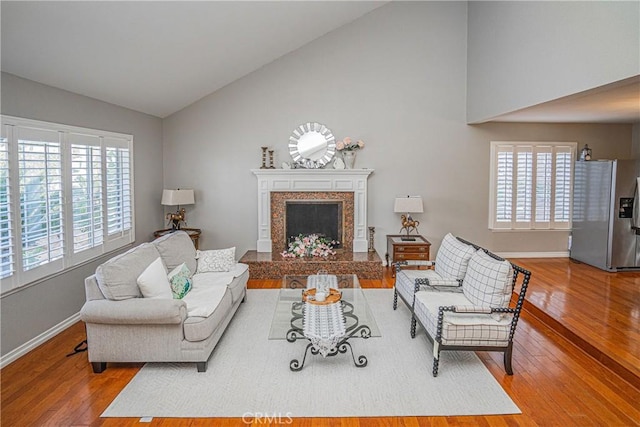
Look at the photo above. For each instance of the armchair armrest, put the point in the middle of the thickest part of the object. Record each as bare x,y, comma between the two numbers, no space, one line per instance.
135,311
476,309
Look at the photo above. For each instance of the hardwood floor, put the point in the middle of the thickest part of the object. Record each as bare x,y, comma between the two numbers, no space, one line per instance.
554,381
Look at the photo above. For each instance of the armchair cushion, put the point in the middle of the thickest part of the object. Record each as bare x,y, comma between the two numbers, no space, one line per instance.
488,282
453,258
461,328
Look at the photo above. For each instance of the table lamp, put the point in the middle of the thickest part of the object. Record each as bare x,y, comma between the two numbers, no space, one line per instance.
177,198
408,205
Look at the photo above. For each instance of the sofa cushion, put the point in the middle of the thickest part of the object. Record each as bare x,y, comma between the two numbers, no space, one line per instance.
176,248
460,329
488,281
216,260
453,258
153,282
117,278
213,300
180,279
226,278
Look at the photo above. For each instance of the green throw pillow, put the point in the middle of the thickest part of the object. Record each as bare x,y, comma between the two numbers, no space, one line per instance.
180,281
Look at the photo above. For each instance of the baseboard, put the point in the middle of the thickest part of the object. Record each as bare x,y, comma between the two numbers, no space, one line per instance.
559,254
40,339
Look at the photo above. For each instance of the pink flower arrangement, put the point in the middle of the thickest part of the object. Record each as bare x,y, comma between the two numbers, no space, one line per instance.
312,245
348,145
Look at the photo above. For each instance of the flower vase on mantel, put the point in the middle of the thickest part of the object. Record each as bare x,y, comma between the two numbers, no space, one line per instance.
349,158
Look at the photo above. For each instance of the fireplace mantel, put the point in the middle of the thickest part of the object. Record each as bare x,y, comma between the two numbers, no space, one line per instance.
289,180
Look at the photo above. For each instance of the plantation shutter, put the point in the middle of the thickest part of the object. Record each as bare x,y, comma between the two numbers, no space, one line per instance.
118,185
41,203
86,191
563,187
531,185
7,260
504,185
66,197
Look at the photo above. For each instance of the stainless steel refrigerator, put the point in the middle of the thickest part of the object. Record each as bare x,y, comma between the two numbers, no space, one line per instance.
606,214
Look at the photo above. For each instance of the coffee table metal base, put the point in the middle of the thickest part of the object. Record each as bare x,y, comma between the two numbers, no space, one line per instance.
353,330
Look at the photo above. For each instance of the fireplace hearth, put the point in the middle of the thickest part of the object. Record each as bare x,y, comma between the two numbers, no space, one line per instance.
279,187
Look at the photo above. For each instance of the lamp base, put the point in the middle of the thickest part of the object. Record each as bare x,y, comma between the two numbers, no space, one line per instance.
408,239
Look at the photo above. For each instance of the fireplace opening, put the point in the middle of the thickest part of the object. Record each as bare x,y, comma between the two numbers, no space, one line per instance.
322,217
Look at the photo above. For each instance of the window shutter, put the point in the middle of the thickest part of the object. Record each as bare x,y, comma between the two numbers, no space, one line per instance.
504,185
41,207
86,188
118,186
66,197
524,178
7,261
531,185
543,185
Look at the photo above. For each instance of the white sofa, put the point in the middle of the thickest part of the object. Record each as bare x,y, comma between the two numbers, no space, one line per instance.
465,302
123,326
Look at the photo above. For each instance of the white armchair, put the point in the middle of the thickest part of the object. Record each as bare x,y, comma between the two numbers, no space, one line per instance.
448,272
474,316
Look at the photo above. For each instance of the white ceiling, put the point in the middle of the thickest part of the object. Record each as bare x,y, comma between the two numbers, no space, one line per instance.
158,57
618,102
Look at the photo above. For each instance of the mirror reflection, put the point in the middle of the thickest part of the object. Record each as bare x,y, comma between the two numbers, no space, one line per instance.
312,145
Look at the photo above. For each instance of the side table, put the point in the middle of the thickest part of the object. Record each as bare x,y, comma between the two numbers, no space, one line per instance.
194,233
406,250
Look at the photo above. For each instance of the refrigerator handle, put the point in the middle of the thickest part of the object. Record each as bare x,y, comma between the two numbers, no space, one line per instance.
635,221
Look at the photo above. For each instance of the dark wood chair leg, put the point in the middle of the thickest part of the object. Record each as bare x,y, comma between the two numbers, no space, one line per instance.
395,298
413,325
436,363
507,359
98,367
202,366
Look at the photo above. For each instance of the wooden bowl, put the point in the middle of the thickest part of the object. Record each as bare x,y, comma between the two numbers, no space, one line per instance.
333,297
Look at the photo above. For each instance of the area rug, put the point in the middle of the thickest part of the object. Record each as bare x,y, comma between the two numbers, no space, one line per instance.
249,374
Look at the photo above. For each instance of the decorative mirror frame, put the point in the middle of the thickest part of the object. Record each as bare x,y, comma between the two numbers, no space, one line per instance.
304,129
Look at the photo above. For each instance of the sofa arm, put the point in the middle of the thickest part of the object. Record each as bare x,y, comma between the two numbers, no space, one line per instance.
135,311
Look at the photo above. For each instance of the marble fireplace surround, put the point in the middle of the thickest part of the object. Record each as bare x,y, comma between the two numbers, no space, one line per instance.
275,186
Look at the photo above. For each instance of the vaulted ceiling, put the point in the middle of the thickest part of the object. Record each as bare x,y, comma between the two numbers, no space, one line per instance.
158,57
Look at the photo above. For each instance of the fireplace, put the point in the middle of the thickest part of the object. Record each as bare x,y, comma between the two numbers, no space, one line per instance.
277,186
280,188
321,217
281,201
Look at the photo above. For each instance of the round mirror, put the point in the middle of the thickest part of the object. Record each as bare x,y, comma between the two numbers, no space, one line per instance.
312,145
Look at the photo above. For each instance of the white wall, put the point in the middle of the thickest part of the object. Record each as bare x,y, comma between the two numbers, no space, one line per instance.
394,78
35,309
525,53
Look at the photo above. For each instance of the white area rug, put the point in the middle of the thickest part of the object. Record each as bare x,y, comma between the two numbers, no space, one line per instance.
250,374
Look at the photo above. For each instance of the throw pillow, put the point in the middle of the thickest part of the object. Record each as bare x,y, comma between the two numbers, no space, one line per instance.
180,279
153,282
488,282
216,260
453,257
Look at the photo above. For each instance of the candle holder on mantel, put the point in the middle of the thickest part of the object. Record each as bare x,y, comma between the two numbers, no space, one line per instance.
271,160
372,232
264,158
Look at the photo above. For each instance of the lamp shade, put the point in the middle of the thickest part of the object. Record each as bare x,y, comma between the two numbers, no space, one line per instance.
408,204
177,197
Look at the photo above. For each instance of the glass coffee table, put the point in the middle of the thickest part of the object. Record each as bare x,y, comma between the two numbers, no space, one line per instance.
327,326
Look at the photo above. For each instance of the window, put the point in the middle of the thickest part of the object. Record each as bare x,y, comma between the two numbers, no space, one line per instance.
65,197
531,185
